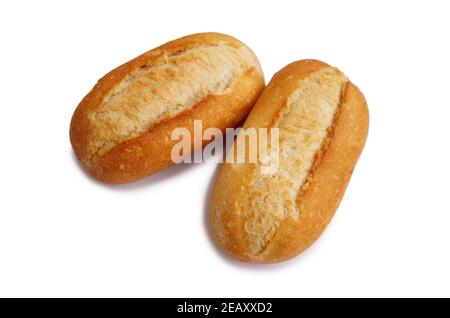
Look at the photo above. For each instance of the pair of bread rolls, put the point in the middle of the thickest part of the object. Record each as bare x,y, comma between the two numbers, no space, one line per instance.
121,132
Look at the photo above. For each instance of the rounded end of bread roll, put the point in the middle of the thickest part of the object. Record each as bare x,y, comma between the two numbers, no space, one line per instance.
121,131
261,219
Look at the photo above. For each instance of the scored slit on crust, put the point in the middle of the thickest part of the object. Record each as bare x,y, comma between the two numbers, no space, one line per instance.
155,92
304,122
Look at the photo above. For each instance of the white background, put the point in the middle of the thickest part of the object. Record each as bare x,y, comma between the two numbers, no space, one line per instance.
64,234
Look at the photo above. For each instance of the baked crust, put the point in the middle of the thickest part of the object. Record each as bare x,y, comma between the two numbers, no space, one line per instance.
323,189
148,152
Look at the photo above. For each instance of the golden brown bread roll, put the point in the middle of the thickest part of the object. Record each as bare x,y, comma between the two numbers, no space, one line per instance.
323,124
121,131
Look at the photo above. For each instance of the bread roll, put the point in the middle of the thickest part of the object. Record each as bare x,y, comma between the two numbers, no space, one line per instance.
121,131
323,124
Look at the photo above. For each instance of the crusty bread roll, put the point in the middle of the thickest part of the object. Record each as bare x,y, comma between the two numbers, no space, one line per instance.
121,131
323,124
